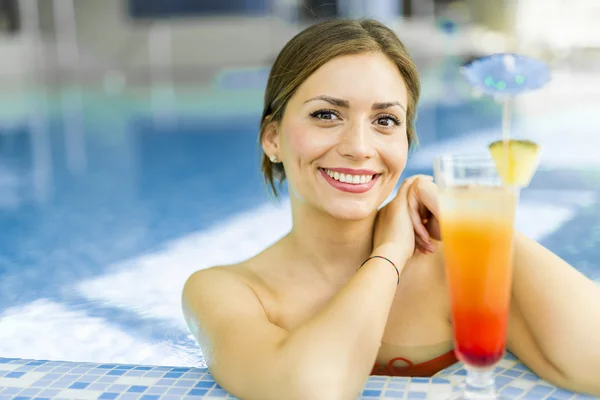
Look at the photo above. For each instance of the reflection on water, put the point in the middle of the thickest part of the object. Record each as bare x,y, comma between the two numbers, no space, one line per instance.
105,212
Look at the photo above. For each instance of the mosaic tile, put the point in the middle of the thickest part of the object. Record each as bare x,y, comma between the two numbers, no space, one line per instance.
23,379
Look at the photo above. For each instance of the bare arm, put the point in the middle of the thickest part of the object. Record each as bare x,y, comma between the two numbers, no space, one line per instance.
329,357
555,318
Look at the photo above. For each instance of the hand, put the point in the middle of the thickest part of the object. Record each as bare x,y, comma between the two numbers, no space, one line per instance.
424,213
394,234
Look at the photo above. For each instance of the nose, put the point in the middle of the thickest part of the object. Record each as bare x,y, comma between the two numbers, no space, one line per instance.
356,141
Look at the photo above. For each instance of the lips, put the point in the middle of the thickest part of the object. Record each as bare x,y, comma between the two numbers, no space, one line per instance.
350,180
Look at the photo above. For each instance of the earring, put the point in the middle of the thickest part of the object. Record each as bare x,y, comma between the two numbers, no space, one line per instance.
273,158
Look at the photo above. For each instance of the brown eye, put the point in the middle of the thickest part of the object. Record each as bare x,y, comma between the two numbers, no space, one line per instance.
388,121
327,115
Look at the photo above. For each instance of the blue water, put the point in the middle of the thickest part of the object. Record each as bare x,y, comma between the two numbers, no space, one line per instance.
106,211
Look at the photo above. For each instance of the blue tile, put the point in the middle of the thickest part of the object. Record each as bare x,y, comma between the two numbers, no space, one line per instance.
134,373
115,372
562,394
531,377
397,385
3,397
177,391
205,384
11,390
156,390
185,383
150,397
584,397
106,366
21,398
374,385
154,374
53,376
117,388
541,389
420,380
461,372
377,378
217,393
108,396
125,367
173,375
138,389
41,398
197,392
7,360
14,374
502,381
369,392
29,392
130,396
180,369
512,391
143,368
512,373
533,396
417,395
79,385
439,380
98,386
521,367
394,393
107,379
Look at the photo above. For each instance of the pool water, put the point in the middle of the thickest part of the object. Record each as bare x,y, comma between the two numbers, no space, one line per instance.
108,206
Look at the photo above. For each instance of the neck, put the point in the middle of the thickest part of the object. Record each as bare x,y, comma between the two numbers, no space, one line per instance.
332,247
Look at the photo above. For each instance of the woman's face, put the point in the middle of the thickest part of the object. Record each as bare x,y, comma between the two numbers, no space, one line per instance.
342,139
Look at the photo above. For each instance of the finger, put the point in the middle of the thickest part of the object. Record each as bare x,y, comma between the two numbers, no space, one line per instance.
415,217
421,245
427,194
433,228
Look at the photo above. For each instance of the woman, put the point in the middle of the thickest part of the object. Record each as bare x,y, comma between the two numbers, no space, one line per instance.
314,314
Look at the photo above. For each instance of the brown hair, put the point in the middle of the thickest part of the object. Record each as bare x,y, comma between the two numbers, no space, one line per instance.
310,49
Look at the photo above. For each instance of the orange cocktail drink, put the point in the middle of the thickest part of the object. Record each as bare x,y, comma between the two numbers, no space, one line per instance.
477,232
477,215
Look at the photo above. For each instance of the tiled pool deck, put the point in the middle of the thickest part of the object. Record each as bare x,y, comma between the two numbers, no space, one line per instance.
33,379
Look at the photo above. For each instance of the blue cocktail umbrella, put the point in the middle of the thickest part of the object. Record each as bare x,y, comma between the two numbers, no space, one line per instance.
506,74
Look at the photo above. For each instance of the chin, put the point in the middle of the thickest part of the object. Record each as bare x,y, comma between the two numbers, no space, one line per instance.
349,211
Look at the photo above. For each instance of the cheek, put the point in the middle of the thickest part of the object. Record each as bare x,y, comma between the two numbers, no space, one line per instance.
301,145
395,155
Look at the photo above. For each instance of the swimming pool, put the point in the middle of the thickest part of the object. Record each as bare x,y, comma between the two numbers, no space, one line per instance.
107,206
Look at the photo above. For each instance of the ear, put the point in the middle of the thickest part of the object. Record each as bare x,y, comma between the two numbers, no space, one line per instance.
270,140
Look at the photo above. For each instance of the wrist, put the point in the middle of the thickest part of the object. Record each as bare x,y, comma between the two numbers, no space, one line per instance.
394,253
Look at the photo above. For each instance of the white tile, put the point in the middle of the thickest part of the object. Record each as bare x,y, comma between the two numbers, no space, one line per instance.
439,392
418,387
136,380
522,384
504,363
9,367
24,381
79,394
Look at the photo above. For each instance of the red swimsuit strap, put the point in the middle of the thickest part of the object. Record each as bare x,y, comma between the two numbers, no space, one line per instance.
426,368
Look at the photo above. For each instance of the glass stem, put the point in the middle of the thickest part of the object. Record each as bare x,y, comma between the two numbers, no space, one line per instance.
480,383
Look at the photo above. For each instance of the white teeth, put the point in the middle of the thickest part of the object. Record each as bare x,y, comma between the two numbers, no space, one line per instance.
347,178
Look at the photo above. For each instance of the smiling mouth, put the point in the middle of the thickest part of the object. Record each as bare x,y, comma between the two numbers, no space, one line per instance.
348,178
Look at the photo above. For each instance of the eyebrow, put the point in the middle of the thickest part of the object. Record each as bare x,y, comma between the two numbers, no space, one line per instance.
346,104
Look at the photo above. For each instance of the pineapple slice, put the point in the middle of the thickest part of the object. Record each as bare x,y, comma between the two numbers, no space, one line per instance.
516,160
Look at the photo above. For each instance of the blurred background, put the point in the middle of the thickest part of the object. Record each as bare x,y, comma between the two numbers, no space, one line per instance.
129,155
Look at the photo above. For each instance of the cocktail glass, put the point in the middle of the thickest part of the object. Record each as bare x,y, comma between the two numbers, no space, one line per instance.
477,214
